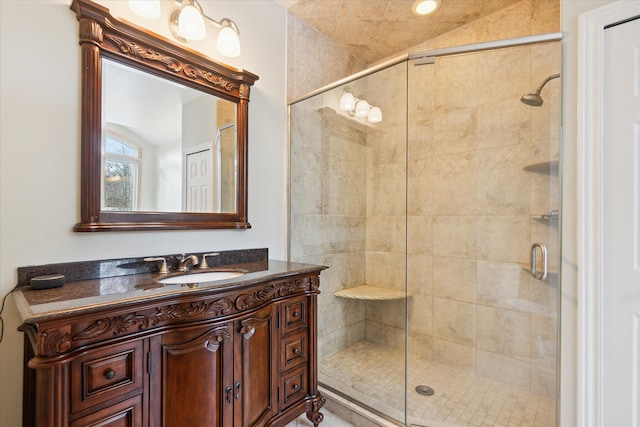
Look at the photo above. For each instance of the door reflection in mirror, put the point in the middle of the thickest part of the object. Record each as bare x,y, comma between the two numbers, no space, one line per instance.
153,130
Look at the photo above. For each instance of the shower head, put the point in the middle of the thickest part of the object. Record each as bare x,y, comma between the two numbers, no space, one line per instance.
534,99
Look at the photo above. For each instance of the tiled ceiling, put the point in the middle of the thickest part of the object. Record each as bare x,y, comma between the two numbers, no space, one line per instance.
372,30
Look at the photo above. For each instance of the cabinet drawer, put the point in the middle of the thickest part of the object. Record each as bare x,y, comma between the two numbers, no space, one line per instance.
294,350
123,414
295,315
294,385
106,373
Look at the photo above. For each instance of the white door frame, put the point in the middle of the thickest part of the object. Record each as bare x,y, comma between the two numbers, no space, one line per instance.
590,79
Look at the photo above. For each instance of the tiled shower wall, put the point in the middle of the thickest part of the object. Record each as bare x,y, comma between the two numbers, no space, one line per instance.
470,202
474,207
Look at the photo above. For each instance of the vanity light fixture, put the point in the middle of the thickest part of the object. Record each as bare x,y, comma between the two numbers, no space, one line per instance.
424,7
359,107
188,22
148,9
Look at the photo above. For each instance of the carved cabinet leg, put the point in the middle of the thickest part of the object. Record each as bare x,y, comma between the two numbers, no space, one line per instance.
314,415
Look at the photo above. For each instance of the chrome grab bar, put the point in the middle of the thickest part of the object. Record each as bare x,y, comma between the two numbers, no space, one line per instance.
540,275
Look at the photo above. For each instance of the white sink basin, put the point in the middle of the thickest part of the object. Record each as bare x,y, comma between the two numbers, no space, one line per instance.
209,276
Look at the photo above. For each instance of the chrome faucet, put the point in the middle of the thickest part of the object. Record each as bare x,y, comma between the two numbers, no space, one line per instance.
184,263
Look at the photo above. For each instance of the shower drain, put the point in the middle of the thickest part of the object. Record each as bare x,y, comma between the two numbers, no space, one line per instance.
425,390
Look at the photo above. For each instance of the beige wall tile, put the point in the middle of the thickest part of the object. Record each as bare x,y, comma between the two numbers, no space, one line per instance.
453,131
386,269
504,122
454,354
454,321
504,238
502,368
503,192
454,194
420,345
454,236
381,333
419,234
386,233
419,274
420,313
454,278
384,312
505,332
355,333
332,343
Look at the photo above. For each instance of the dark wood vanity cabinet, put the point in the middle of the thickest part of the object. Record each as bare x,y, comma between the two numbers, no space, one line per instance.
230,359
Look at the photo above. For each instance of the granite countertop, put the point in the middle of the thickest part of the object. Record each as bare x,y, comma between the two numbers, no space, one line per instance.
102,293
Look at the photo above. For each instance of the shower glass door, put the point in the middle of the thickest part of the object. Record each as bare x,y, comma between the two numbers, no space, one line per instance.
348,211
482,201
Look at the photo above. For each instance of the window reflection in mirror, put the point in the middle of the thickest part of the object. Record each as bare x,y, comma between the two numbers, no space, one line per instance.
166,147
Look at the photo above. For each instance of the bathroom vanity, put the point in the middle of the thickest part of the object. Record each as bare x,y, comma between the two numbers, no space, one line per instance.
129,351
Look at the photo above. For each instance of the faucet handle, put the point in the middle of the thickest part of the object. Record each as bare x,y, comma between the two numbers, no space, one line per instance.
204,264
163,267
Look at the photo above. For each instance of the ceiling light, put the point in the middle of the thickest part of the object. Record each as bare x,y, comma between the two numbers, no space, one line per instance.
148,9
424,7
188,22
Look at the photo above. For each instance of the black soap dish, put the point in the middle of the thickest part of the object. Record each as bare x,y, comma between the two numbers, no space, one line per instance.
47,282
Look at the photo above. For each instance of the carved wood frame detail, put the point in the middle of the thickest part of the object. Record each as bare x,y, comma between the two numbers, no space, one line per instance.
58,341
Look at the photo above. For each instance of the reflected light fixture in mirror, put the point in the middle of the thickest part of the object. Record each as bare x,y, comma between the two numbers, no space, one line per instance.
359,107
188,23
424,7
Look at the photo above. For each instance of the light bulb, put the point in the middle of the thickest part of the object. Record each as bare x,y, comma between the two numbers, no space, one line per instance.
228,43
375,115
191,23
148,9
347,101
362,108
424,7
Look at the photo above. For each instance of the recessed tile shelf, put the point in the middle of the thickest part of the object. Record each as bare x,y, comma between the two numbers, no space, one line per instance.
371,293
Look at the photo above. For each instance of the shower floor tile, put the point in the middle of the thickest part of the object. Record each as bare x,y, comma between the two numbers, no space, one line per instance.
374,375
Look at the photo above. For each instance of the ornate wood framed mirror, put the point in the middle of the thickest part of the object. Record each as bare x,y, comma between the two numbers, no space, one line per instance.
130,179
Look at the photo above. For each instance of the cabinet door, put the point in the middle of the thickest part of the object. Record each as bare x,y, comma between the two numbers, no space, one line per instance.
192,374
255,372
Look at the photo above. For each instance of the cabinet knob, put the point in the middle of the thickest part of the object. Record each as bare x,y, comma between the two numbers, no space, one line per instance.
296,351
110,374
296,313
296,386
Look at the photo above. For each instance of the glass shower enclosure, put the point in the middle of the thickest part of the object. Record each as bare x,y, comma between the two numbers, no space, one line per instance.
440,227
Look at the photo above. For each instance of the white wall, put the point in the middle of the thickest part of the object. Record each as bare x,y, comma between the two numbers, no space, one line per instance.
40,154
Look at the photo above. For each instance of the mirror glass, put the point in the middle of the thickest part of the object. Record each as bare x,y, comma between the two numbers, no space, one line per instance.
165,147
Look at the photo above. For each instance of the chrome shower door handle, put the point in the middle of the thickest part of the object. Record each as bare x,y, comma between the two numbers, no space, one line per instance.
540,275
